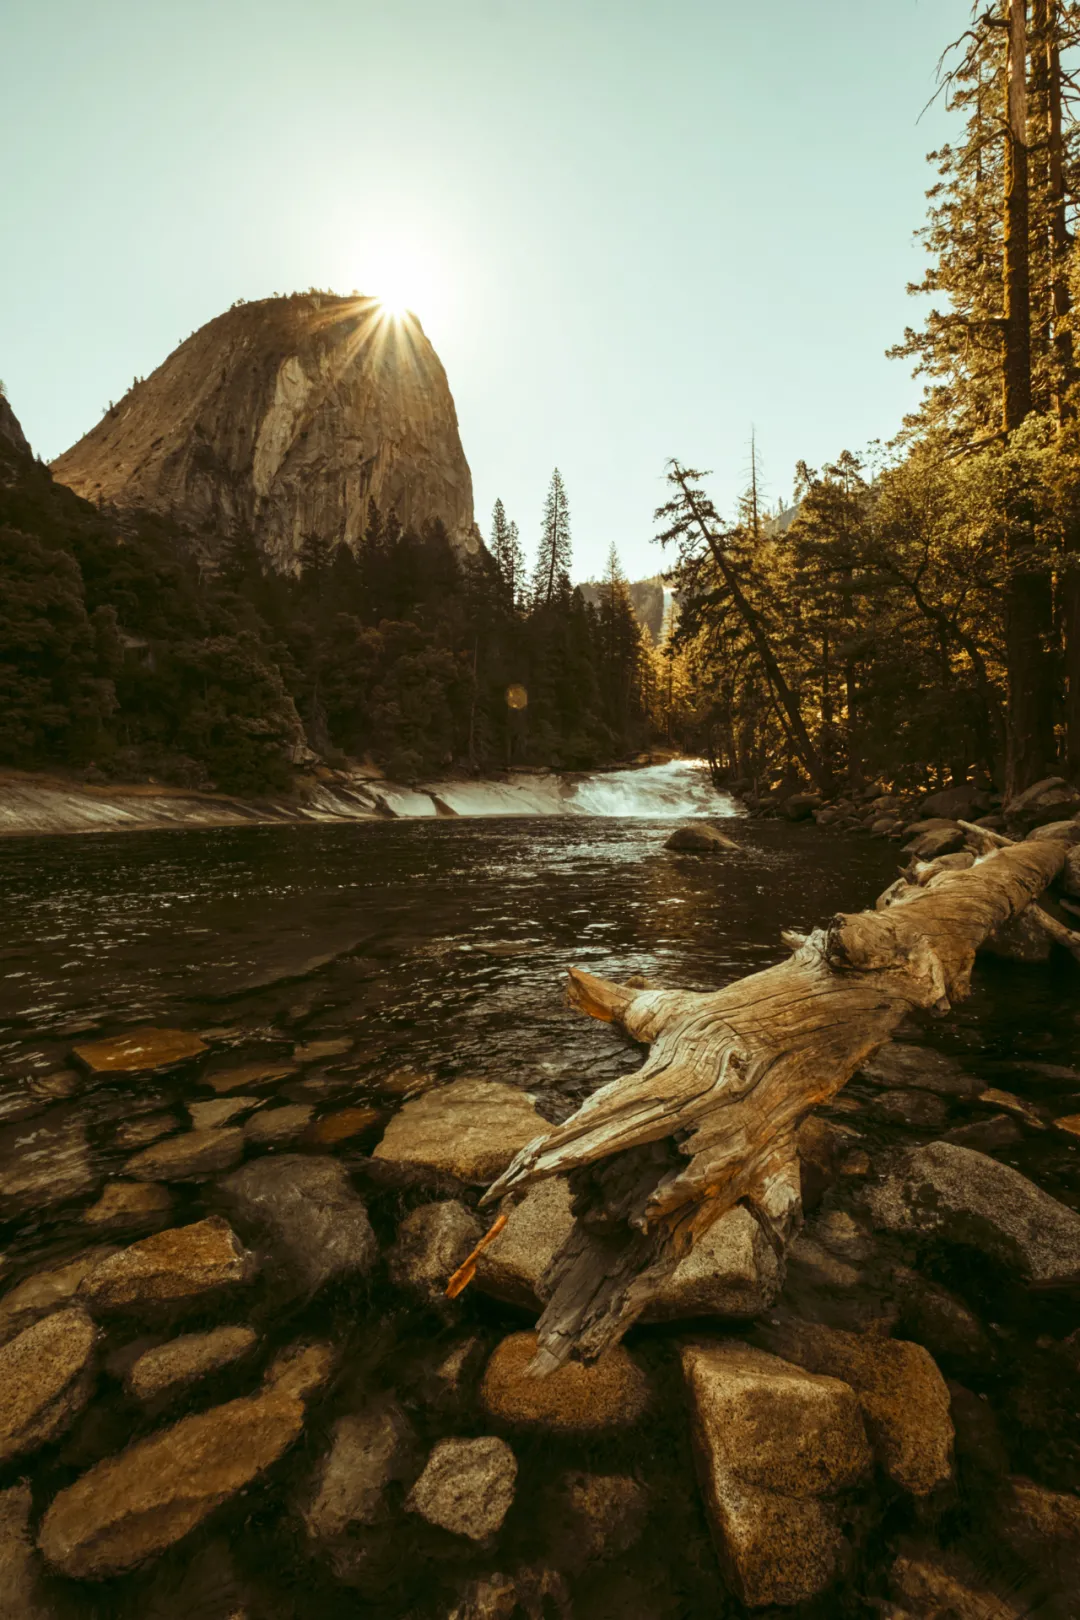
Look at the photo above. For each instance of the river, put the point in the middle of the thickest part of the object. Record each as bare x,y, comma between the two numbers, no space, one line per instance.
437,946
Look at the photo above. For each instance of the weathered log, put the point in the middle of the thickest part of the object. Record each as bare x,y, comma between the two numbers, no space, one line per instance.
729,1077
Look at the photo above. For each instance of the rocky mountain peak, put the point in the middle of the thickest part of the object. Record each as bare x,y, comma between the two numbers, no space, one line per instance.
284,418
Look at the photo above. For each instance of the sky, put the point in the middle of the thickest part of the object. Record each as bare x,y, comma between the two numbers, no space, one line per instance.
633,229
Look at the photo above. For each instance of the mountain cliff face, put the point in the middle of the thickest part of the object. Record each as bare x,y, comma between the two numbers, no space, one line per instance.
284,418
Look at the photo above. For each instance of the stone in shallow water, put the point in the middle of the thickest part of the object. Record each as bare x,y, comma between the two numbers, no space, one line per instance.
927,1583
986,1135
21,1596
466,1487
46,1291
775,1446
309,1213
920,1110
135,1133
276,1125
193,1156
129,1203
699,840
140,1050
589,1517
247,1074
1042,1527
315,1051
183,1264
468,1131
133,1506
369,1451
46,1378
613,1393
900,1063
170,1368
344,1124
904,1399
207,1116
431,1244
301,1369
43,1163
952,1193
1068,1126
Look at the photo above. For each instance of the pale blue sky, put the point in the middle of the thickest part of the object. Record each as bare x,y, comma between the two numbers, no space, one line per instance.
631,228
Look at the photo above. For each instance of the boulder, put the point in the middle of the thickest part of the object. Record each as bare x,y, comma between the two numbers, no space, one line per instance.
927,846
960,803
940,1322
21,1594
276,1125
775,1447
181,1266
46,1291
904,1399
699,839
613,1393
307,1210
442,1376
466,1487
899,1063
140,1051
949,1192
168,1369
133,1506
800,806
44,1163
731,1272
431,1244
1067,831
823,1146
302,1370
1052,799
369,1451
1070,874
467,1132
46,1378
128,1203
192,1156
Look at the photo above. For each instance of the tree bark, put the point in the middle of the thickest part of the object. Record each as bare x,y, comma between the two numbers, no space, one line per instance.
710,1119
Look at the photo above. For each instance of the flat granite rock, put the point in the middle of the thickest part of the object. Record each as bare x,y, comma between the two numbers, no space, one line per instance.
247,1074
308,1212
613,1393
467,1487
962,1197
21,1594
46,1291
170,1368
181,1265
193,1156
775,1447
128,1203
46,1378
276,1125
207,1116
467,1131
431,1243
141,1050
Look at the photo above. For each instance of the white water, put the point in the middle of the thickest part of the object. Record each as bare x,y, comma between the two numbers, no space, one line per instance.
650,793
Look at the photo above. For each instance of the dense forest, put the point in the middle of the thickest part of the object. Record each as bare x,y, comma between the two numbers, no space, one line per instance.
920,620
124,657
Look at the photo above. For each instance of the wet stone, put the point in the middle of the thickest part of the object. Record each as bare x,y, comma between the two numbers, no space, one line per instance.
431,1243
986,1135
921,1068
370,1450
21,1595
467,1487
193,1156
128,1203
44,1163
275,1125
592,1517
1043,1528
926,1584
468,1131
46,1291
699,839
343,1125
317,1051
182,1265
136,1133
302,1370
247,1074
1068,1126
920,1110
612,1393
309,1213
170,1368
46,1378
140,1050
208,1116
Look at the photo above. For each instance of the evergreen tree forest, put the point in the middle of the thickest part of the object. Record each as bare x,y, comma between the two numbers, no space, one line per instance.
127,655
919,620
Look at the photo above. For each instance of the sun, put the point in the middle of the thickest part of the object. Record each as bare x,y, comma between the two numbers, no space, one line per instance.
393,303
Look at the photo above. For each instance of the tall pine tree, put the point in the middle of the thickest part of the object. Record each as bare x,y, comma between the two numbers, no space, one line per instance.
551,579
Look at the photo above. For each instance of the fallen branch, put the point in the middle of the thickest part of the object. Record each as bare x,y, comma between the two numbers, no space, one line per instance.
710,1119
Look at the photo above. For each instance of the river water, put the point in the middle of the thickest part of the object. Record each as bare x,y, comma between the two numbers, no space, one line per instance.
434,945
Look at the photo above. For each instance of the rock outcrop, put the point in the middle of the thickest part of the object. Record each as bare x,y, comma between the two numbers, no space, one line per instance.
283,419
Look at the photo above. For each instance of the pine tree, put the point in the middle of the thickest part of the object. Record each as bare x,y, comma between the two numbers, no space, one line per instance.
507,555
551,579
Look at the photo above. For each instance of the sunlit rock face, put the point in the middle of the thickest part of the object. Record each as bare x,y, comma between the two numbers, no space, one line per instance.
283,418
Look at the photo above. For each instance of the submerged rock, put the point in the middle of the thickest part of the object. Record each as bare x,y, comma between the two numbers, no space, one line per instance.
369,1451
129,1203
21,1595
1043,1528
141,1050
467,1487
612,1393
904,1399
44,1163
431,1243
317,1051
467,1131
193,1156
276,1125
207,1116
920,1110
247,1074
986,1135
1052,799
592,1517
699,839
46,1291
133,1506
962,1197
170,1368
178,1266
920,1068
144,1129
929,1587
343,1125
308,1211
46,1378
775,1447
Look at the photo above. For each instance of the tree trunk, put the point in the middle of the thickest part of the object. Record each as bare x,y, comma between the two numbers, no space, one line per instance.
710,1120
1029,604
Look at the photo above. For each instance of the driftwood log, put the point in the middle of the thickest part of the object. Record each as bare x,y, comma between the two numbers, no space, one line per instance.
710,1119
